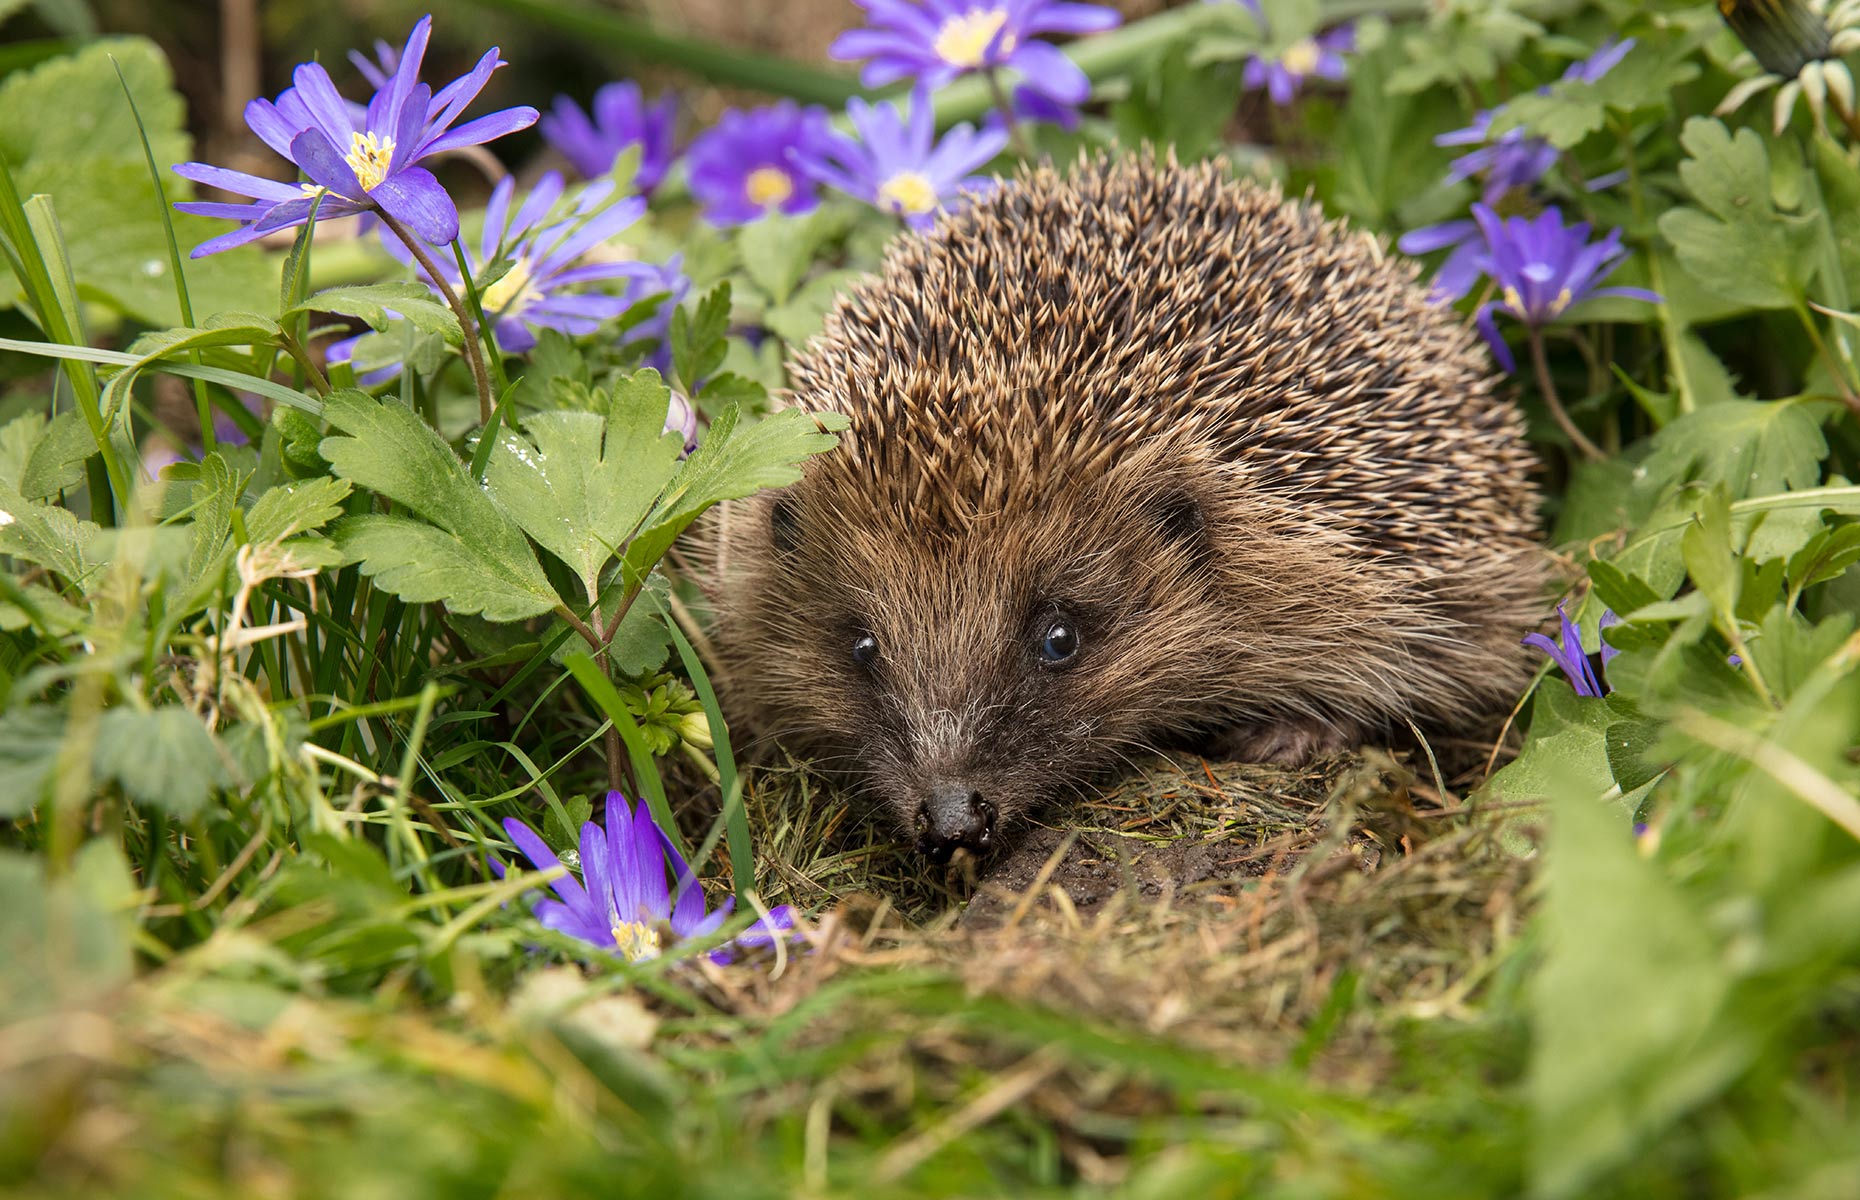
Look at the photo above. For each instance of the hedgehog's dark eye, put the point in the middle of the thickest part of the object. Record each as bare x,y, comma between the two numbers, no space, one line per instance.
864,649
1059,643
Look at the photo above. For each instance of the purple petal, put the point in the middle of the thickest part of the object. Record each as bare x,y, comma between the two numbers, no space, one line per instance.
324,164
544,859
415,197
484,129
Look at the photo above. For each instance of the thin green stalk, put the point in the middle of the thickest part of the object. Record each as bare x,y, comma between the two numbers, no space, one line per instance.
59,323
493,357
203,408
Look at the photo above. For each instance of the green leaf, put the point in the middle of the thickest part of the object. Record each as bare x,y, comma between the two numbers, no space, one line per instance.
39,459
778,251
226,329
52,537
580,483
1179,103
1629,984
1739,245
67,941
1711,559
803,315
471,555
1618,590
1566,753
293,508
90,158
30,739
699,338
162,758
215,496
1751,447
424,565
1569,110
412,302
1825,556
733,461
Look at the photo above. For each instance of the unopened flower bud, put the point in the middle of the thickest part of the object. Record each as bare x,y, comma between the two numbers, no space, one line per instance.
694,728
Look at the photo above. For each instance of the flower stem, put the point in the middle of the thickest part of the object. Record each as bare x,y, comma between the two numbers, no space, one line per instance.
1588,448
610,740
1016,136
474,352
495,359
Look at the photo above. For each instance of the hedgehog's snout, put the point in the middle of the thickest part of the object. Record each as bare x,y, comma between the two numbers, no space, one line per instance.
954,813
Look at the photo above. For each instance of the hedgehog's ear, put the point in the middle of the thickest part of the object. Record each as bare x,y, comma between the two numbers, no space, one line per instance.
1179,515
785,524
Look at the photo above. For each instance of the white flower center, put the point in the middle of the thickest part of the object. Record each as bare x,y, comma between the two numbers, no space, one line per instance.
963,40
908,193
507,293
768,186
1301,57
636,941
369,158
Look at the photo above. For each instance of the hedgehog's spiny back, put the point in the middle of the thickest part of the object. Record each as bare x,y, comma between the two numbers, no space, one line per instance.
1057,322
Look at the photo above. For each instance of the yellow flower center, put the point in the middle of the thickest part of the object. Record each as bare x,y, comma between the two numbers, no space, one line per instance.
1560,303
1301,57
768,186
369,158
1513,301
636,941
963,41
503,295
908,193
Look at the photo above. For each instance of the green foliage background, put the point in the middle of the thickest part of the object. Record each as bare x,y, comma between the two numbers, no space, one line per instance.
260,719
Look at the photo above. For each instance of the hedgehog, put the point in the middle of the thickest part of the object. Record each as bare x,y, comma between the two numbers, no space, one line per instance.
1139,456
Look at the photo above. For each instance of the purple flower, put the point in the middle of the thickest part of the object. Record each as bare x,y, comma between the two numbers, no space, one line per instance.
1511,160
554,257
1514,159
358,159
621,118
1606,57
1542,269
936,40
742,168
900,167
1461,269
622,903
1321,56
1570,657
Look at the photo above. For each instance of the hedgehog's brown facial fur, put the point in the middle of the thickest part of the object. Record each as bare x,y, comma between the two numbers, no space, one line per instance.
1266,485
963,709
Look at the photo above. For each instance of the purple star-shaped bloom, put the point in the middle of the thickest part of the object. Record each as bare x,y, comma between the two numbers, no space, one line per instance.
358,159
743,168
1543,269
618,118
899,165
557,262
622,904
1567,653
1320,56
937,40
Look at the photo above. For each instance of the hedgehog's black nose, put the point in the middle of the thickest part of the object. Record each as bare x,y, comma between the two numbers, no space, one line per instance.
954,815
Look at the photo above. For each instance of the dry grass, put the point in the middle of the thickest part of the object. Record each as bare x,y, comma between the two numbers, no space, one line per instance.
1245,913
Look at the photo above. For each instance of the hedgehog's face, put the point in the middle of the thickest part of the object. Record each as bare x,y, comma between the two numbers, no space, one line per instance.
969,676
